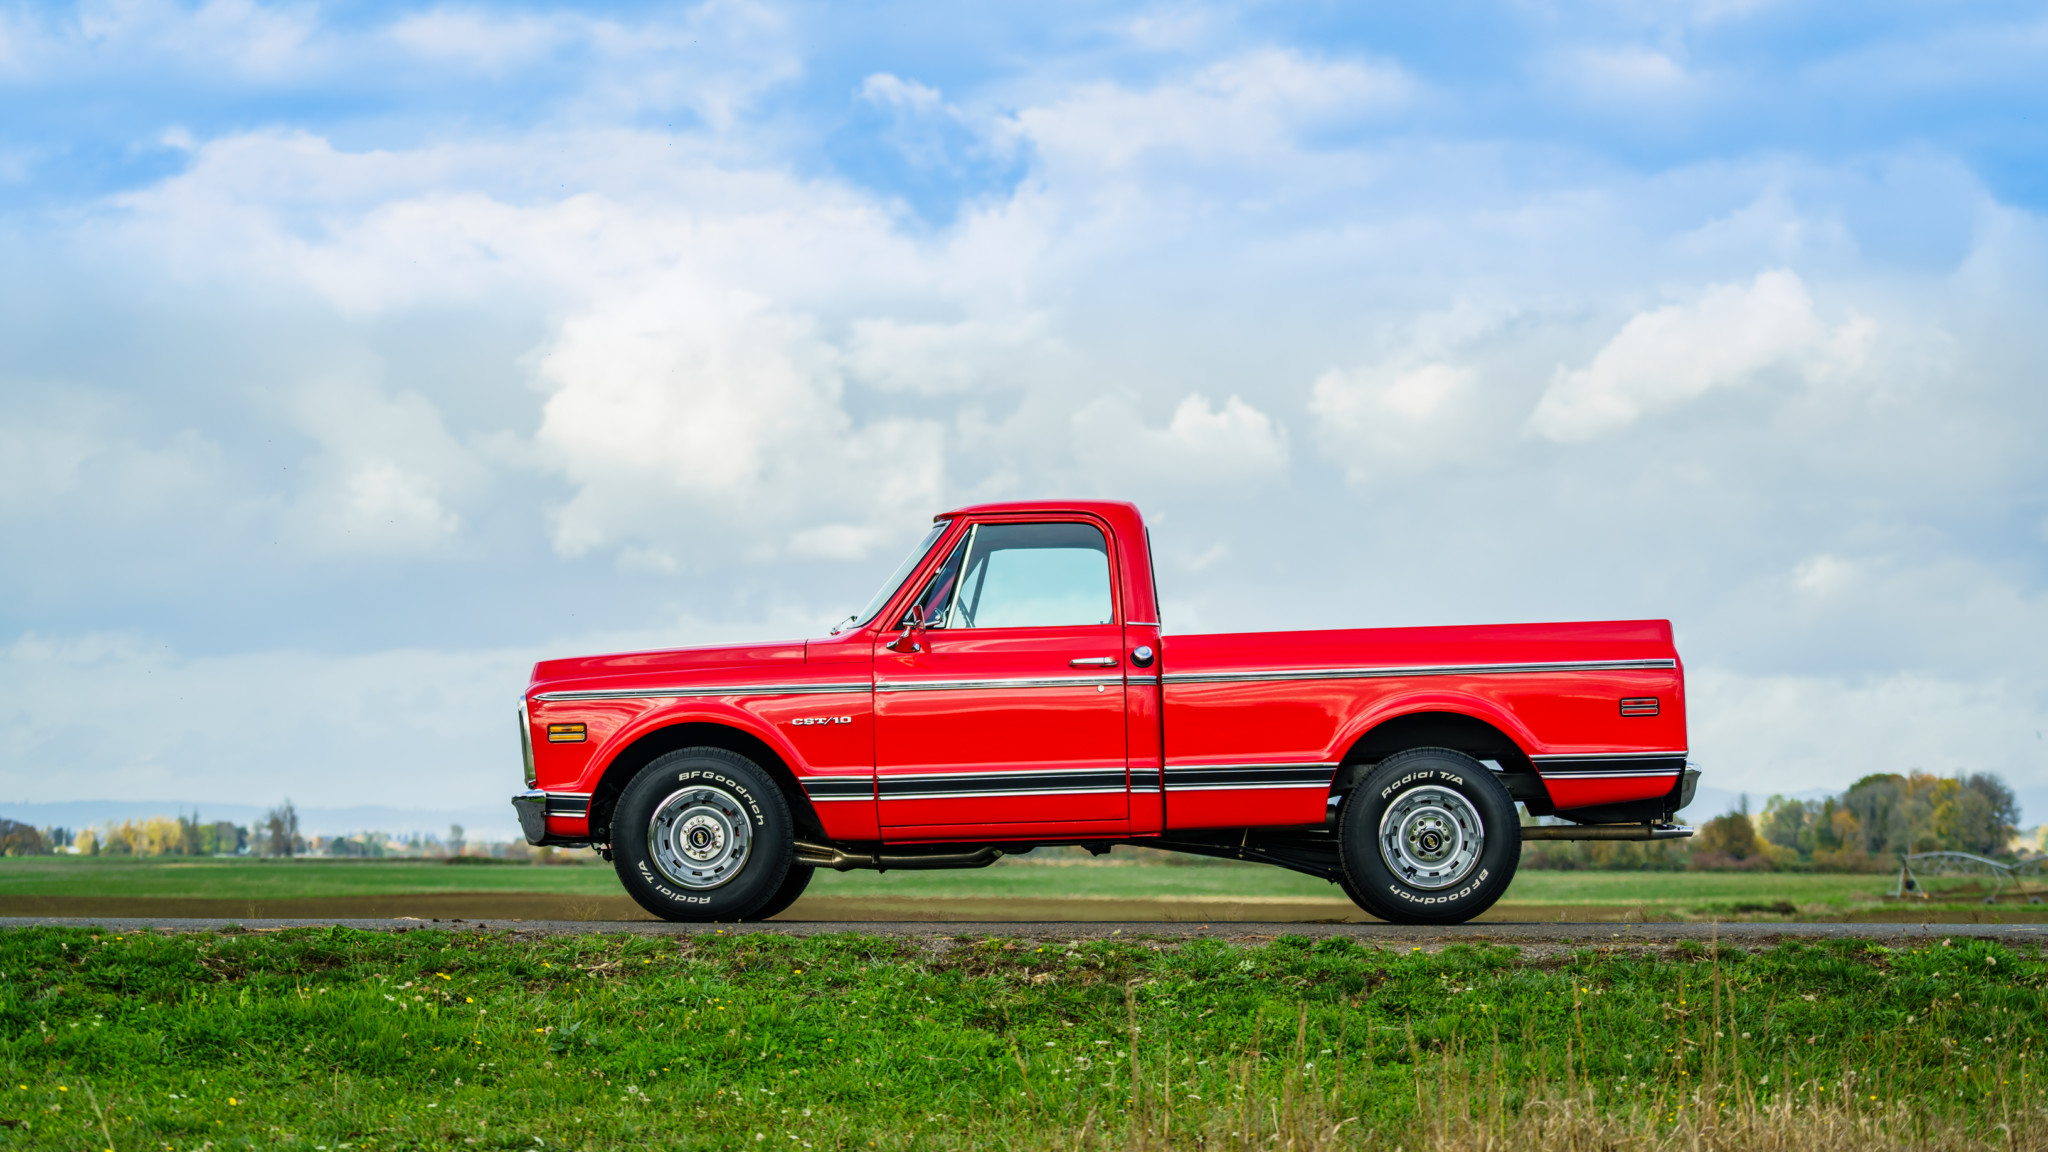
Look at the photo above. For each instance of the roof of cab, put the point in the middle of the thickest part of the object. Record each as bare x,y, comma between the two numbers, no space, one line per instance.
1115,511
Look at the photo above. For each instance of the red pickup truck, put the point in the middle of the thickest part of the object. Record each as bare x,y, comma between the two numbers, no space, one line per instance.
1010,687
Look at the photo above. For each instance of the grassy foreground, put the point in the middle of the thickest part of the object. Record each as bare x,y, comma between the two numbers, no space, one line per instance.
329,1039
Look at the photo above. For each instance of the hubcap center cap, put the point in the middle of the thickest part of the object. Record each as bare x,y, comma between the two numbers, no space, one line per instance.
702,837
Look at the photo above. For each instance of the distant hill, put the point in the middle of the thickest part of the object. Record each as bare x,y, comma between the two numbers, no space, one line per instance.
479,824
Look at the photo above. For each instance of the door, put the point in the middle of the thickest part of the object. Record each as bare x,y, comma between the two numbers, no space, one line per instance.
1008,709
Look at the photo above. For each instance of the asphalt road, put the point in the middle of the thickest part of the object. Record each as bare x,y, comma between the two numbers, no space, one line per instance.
1540,936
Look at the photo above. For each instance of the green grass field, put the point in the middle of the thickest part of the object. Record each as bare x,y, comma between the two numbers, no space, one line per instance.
328,1039
1022,878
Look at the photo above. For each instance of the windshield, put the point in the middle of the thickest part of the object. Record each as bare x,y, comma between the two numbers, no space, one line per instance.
895,581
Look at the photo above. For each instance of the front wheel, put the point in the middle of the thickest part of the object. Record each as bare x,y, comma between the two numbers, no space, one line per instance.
793,886
702,834
1429,837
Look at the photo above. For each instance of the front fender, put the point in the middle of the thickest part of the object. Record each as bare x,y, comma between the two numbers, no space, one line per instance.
699,711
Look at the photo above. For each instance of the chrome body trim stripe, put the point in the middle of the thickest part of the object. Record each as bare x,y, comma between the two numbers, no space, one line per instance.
1017,682
1633,774
718,690
1418,670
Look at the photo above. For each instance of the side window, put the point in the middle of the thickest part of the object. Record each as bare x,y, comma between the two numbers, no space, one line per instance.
1030,576
939,592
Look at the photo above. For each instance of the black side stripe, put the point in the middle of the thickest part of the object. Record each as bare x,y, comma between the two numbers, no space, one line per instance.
1612,764
941,785
1206,777
839,787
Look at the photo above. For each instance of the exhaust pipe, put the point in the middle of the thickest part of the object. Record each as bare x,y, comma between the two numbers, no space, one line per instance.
840,860
1606,832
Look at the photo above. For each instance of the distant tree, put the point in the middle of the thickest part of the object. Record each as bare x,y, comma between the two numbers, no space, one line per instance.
1790,824
1988,815
18,839
1730,842
1876,805
281,828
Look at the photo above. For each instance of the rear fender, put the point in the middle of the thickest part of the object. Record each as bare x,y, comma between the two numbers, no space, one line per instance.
1440,719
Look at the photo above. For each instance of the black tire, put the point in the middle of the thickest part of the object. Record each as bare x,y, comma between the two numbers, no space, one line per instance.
703,834
1429,837
793,886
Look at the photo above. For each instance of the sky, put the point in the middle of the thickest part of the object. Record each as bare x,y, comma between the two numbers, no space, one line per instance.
353,356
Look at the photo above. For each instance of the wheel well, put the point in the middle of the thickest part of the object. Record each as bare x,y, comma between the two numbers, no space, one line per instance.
661,741
1454,730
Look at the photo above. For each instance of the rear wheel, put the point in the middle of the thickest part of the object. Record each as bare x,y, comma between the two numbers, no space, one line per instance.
1429,837
703,834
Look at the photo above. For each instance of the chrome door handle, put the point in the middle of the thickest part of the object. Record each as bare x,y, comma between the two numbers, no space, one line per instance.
1092,662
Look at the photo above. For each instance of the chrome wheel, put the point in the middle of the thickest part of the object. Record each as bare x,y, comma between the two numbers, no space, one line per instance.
1431,837
699,837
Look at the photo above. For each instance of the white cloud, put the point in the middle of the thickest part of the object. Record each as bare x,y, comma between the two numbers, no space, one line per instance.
690,405
893,91
1825,574
385,474
1376,419
964,356
261,41
1671,355
1202,445
73,452
482,39
1625,75
1256,104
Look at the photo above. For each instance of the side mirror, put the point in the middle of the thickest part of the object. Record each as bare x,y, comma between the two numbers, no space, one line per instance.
913,623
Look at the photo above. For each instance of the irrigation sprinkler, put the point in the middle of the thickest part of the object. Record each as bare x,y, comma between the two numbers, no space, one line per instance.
1964,864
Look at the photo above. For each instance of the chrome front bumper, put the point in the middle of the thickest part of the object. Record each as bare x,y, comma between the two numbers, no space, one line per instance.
535,806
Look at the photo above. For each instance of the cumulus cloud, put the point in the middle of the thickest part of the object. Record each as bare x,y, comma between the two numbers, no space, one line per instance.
1374,419
1668,356
387,472
485,40
688,406
962,356
1202,445
261,41
1255,104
